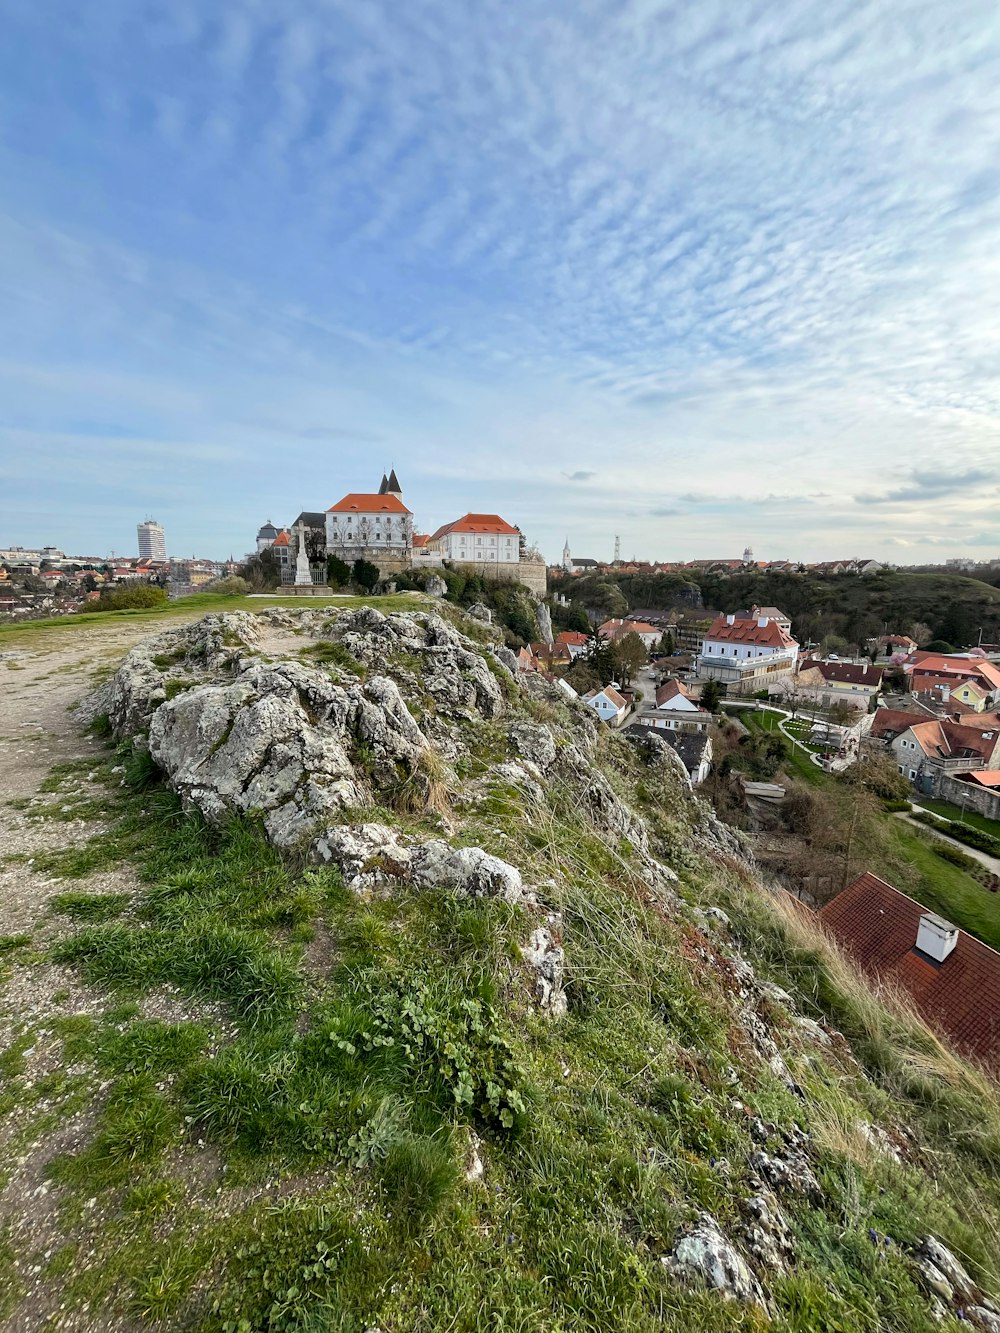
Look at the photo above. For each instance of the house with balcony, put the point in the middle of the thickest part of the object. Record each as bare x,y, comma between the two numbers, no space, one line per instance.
747,653
926,752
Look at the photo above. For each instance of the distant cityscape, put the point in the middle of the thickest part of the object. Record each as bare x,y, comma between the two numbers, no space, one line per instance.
376,526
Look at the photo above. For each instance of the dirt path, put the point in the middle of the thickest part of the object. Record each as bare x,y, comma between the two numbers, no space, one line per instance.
991,863
40,684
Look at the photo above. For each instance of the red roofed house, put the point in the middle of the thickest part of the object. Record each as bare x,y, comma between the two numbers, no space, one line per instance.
479,539
574,641
746,653
928,669
928,750
617,629
363,526
829,682
952,978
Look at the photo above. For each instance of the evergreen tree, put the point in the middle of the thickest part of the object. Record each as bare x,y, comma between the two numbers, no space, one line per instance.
711,693
338,572
365,574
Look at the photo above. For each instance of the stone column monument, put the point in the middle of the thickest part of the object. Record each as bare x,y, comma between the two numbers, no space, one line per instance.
303,577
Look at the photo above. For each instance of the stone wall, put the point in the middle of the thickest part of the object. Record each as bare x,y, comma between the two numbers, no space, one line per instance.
981,799
532,573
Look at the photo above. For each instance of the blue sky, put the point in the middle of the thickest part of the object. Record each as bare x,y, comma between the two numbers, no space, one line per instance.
701,274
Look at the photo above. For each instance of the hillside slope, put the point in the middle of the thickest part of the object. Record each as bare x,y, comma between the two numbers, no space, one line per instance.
371,987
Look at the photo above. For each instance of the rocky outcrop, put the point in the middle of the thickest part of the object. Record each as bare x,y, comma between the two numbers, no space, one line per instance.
704,1257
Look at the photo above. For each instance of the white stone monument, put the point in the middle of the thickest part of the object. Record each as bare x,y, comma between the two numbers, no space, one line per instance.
303,576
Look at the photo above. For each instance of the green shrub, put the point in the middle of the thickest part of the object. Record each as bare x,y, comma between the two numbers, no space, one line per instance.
140,597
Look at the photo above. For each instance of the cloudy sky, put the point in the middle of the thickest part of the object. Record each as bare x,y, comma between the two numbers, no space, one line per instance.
697,272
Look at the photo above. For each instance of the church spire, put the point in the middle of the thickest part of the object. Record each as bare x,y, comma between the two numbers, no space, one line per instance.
384,487
392,485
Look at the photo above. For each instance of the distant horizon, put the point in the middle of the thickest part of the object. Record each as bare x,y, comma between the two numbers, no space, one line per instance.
940,559
665,270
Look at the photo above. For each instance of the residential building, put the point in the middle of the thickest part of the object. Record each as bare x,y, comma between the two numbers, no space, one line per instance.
695,750
827,683
361,526
152,540
617,629
772,613
479,539
676,710
607,703
746,653
928,750
926,669
952,978
575,642
888,723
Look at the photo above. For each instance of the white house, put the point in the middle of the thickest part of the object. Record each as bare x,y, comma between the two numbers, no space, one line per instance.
608,704
360,525
480,539
676,711
746,653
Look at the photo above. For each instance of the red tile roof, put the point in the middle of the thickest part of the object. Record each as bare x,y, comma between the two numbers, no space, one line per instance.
672,689
877,925
359,503
488,523
281,539
985,777
947,664
888,723
847,673
572,637
745,629
420,540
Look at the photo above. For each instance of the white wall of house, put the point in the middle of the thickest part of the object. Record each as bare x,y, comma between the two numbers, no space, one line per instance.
371,532
481,547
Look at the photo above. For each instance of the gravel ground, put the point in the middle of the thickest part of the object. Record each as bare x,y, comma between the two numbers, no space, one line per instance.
40,684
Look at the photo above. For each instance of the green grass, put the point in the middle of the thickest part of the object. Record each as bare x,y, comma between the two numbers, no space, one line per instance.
971,817
947,889
341,1055
185,609
766,720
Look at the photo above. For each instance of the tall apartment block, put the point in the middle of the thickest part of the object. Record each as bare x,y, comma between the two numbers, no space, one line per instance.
152,541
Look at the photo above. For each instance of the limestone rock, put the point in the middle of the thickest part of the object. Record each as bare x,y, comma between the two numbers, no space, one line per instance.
533,742
547,960
986,1320
544,618
941,1258
367,855
436,586
790,1173
766,1233
480,612
467,870
704,1257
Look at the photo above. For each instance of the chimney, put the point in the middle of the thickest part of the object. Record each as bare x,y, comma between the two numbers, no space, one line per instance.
936,937
730,620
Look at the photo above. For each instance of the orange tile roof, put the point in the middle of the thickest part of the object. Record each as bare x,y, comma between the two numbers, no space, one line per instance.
746,630
946,664
281,539
984,777
572,636
359,503
488,523
877,925
894,721
420,540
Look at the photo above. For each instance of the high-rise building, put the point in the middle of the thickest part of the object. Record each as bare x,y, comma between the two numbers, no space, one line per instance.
152,540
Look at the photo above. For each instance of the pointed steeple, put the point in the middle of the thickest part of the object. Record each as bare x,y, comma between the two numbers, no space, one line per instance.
393,487
383,488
